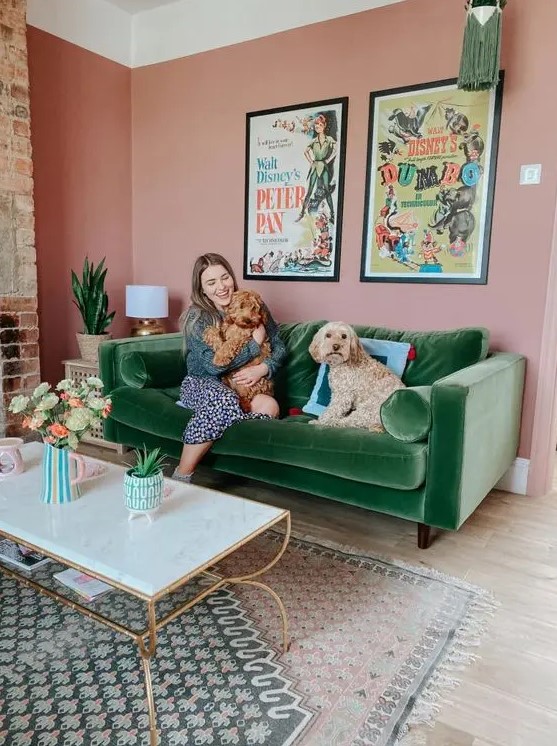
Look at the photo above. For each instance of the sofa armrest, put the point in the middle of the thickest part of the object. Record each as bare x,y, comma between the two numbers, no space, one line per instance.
113,351
474,436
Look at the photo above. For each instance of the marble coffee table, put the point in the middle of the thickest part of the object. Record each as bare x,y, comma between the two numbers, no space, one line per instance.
193,530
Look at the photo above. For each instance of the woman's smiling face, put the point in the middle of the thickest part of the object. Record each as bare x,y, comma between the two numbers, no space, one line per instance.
218,285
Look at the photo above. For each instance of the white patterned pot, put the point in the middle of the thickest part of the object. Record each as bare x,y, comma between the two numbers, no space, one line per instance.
143,494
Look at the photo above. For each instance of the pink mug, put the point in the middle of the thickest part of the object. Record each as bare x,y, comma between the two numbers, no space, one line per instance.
11,462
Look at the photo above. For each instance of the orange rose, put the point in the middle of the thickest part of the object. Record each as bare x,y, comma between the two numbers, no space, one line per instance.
74,402
64,396
58,430
107,410
27,422
49,439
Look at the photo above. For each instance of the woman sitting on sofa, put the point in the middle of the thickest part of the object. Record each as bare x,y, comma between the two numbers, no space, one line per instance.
215,406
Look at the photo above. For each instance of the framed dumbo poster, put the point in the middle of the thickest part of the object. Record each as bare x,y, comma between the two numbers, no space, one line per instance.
432,152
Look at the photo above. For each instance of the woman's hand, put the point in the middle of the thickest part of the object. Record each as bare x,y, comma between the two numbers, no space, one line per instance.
251,375
259,334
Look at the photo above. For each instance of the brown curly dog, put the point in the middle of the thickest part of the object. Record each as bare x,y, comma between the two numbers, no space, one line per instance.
359,384
244,314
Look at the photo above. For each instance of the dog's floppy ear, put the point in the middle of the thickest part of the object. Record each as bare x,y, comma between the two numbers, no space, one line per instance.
357,352
315,346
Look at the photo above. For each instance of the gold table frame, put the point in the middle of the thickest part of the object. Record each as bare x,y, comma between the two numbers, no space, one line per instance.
147,639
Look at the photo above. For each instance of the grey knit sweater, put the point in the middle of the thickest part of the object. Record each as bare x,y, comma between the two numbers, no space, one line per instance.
199,356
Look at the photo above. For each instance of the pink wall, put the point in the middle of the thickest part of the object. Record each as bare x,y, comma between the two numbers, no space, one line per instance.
81,118
188,122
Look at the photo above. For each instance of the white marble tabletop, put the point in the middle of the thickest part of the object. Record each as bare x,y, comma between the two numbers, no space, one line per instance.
193,527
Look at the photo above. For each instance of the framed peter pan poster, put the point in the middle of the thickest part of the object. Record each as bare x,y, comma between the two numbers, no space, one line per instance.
432,152
294,189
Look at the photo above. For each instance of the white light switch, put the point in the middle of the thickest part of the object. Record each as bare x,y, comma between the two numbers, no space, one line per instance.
531,174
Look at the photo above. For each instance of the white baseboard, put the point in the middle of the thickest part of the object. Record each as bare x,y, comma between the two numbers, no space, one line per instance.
515,479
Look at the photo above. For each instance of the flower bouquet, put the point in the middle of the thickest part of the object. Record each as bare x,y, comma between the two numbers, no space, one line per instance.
64,415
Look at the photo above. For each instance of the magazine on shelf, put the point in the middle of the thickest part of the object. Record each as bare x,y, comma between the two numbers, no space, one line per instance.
20,556
84,585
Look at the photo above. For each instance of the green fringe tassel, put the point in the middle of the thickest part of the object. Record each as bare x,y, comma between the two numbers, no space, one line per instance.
481,54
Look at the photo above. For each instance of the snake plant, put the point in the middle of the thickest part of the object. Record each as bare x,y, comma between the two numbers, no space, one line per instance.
91,298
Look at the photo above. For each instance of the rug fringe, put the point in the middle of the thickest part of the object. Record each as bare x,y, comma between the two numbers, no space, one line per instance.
460,654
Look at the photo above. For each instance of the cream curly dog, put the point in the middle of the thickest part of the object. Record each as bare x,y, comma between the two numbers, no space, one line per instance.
359,384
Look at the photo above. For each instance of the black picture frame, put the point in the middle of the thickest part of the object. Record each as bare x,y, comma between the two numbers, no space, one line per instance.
459,124
303,247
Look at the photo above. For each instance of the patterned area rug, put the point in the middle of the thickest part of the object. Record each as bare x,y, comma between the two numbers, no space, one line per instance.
375,646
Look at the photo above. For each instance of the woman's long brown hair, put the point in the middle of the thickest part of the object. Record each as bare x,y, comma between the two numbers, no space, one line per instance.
199,303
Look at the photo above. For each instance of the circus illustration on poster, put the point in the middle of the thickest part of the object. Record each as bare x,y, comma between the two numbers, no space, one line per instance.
430,179
294,188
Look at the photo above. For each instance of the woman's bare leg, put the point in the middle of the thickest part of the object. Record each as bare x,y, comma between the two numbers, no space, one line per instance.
192,453
265,404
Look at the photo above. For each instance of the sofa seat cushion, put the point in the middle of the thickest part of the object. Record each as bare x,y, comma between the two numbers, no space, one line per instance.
358,455
354,454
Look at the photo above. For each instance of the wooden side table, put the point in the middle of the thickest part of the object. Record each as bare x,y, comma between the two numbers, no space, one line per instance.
78,370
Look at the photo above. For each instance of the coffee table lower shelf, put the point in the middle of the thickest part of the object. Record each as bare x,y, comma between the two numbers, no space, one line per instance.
146,640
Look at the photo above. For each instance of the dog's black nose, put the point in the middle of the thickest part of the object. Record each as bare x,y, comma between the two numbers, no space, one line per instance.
335,347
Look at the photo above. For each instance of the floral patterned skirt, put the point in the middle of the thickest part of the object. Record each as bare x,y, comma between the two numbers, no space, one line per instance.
215,407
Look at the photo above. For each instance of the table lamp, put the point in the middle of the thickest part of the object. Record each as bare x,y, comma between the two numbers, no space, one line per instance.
148,304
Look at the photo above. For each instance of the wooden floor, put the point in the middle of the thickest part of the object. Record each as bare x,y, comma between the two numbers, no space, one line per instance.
509,696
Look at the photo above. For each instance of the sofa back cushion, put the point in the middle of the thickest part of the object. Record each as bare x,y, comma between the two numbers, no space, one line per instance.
437,354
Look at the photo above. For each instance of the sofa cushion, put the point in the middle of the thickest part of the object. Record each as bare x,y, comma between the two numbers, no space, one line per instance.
158,369
357,455
438,353
295,379
392,354
406,415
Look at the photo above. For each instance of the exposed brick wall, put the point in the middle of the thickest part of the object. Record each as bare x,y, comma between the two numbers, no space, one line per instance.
19,335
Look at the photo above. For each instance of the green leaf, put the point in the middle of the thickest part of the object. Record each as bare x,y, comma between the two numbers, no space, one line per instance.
91,298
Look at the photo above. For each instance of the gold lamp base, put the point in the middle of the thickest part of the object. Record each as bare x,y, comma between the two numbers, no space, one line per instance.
145,327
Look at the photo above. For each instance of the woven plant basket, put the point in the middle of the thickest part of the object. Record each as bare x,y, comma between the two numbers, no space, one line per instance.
89,345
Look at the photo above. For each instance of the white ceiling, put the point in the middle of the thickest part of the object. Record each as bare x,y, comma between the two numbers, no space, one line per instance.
145,32
136,6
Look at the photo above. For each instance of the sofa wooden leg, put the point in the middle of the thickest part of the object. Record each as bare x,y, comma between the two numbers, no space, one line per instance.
425,536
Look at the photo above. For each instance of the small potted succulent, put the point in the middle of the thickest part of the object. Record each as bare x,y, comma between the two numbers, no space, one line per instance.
144,482
92,301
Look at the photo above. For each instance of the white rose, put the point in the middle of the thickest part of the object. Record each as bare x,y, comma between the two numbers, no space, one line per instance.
41,390
95,402
94,381
65,384
19,404
48,402
78,419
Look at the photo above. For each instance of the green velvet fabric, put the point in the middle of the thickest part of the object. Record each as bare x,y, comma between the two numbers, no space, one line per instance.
294,381
474,436
352,454
112,352
158,369
401,503
438,353
406,415
475,425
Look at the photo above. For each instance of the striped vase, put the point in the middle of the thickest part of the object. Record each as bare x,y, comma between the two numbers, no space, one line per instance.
63,470
143,494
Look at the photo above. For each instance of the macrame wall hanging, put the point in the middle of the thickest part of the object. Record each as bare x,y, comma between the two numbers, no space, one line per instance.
481,48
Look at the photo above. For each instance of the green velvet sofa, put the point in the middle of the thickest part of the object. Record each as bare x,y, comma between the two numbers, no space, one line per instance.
450,439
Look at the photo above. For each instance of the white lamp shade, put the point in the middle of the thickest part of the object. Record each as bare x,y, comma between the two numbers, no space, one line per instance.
146,301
